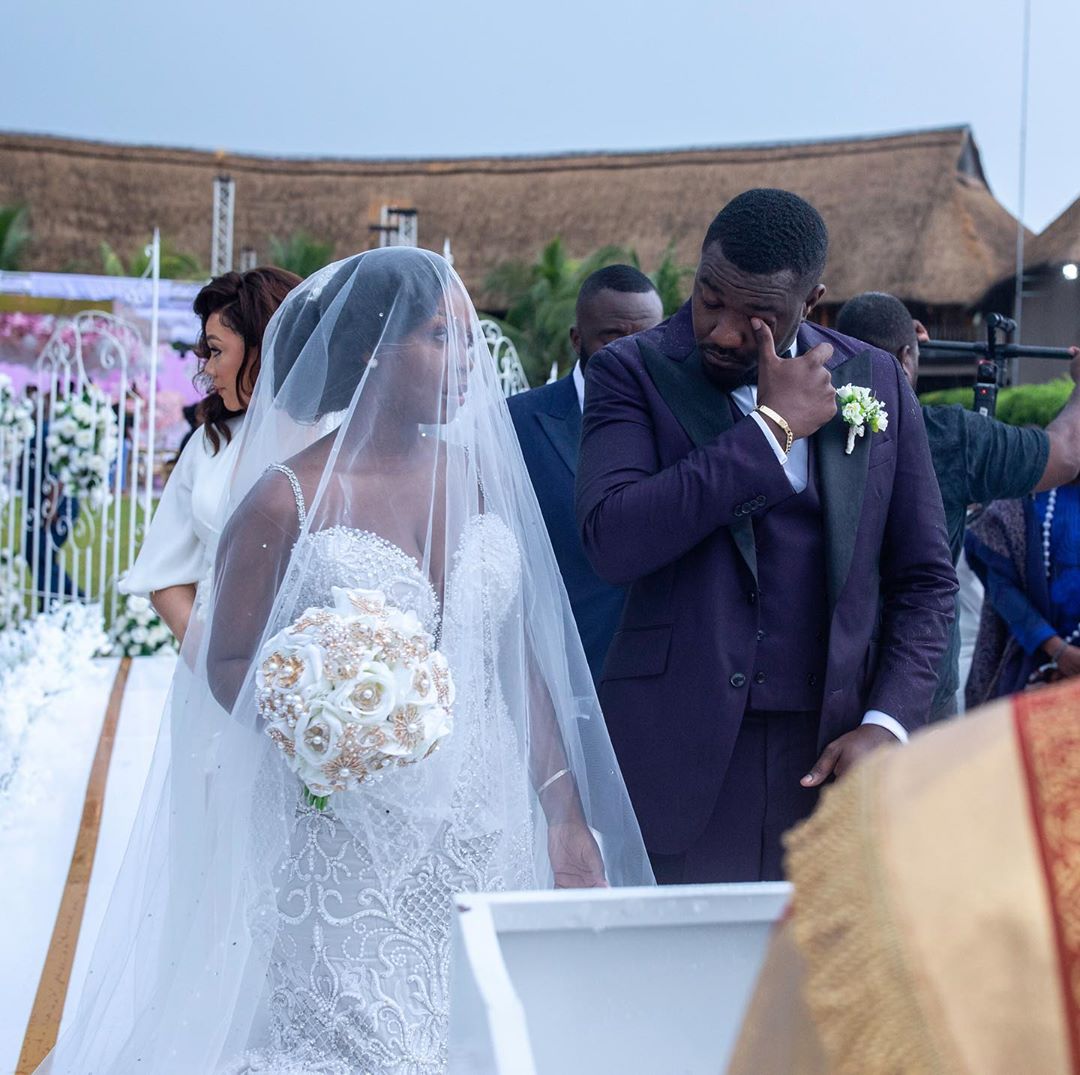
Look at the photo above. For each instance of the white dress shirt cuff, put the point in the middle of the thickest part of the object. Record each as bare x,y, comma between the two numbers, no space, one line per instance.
883,720
781,455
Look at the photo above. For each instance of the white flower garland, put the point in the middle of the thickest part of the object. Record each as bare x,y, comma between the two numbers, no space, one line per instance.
82,444
11,590
16,422
16,428
39,659
138,631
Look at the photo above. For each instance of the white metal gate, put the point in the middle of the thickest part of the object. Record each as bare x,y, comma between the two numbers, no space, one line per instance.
512,377
77,497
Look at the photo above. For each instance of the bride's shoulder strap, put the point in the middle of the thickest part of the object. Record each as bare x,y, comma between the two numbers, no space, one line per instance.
298,493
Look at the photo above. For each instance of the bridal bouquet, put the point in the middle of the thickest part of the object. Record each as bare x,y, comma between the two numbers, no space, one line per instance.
82,443
349,690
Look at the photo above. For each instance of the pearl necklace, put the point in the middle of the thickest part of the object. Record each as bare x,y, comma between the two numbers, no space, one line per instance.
1047,524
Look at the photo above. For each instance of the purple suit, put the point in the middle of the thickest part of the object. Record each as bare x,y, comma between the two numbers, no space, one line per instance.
674,495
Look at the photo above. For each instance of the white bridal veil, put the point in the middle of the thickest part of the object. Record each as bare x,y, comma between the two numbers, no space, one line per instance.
379,394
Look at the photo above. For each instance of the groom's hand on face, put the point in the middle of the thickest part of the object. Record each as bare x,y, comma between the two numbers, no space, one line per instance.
841,754
799,389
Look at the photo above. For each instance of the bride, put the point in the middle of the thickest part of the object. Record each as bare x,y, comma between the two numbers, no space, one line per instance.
251,931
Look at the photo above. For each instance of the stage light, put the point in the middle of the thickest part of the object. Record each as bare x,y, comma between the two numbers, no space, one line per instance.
1070,271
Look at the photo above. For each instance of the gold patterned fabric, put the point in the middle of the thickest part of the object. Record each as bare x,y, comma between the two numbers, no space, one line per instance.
936,921
1048,731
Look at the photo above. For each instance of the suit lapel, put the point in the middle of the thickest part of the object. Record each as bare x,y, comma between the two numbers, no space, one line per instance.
704,411
842,479
563,426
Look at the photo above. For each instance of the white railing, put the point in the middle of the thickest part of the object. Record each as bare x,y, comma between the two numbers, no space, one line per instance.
511,373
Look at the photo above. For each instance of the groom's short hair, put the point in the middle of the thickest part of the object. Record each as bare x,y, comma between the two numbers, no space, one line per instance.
877,319
624,278
766,231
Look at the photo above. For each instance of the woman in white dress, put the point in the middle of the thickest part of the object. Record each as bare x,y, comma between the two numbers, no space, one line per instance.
177,553
251,931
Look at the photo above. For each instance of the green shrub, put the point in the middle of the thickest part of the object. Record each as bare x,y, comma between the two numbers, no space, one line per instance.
1022,405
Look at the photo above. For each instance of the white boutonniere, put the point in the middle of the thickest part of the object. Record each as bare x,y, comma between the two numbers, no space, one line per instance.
859,408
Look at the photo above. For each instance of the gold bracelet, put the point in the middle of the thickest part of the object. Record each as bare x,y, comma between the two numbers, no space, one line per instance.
770,413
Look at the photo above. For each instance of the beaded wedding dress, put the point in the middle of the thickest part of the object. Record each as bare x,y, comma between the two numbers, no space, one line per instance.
359,975
249,931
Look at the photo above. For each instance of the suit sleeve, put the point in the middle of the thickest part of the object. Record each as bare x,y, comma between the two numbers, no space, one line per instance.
635,516
918,581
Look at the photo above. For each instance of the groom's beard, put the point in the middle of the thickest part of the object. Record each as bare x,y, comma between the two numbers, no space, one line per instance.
728,377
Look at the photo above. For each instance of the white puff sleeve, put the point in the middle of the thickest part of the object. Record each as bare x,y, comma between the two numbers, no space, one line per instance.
172,553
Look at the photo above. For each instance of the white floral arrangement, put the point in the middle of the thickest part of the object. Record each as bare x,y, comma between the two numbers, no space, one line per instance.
138,631
860,408
82,444
11,590
39,659
16,428
350,690
16,422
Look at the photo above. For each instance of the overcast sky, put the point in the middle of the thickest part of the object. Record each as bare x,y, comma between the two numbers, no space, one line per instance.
434,78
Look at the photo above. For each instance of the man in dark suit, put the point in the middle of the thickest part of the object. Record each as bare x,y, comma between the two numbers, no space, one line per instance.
613,302
789,601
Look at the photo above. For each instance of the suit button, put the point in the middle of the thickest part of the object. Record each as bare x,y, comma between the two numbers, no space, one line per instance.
738,680
760,501
752,597
738,510
759,677
761,636
812,679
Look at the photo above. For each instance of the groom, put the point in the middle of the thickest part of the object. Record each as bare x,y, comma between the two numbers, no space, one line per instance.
788,601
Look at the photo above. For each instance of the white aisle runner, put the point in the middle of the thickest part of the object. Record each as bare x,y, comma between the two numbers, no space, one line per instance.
39,822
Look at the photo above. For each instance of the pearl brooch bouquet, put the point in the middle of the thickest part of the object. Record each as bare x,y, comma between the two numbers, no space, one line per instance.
350,690
860,408
82,444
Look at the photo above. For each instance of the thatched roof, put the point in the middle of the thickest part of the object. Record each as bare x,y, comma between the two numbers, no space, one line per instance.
1058,243
908,213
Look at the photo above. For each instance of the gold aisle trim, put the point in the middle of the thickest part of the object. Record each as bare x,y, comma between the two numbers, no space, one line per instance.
48,1010
1048,729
